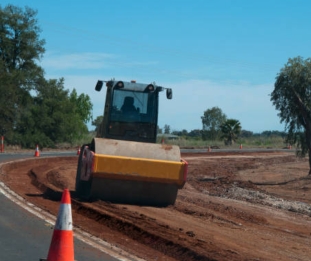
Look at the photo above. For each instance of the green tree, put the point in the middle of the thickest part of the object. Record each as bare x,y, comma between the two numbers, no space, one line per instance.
212,119
184,132
195,133
52,117
97,122
20,50
167,129
82,105
292,98
246,134
231,130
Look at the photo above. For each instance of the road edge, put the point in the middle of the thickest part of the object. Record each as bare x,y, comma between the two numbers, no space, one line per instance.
83,236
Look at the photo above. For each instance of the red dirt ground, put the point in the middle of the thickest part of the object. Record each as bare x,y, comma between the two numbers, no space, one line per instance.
234,206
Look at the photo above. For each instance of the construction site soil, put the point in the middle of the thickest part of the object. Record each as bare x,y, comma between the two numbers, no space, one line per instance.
235,206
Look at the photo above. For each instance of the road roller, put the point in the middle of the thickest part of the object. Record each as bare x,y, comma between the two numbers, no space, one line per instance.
123,163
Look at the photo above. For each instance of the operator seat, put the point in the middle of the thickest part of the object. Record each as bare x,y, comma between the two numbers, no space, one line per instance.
128,105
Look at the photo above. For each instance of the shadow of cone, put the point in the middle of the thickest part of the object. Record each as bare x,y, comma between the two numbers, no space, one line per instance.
37,152
61,248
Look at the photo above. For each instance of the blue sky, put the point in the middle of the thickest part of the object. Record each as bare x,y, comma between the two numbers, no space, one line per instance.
211,53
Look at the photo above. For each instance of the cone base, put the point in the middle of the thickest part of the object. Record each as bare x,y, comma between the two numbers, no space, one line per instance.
61,248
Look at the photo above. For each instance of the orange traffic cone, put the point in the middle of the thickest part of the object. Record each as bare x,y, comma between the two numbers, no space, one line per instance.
37,152
241,146
78,151
61,248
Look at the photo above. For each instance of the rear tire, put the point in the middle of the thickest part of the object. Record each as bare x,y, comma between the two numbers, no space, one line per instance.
83,188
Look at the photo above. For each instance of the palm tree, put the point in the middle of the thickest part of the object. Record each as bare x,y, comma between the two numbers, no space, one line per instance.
231,129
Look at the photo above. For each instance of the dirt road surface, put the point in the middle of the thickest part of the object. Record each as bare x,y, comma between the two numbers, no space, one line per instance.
234,206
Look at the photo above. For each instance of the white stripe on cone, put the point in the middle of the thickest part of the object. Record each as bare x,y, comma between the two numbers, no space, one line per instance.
64,219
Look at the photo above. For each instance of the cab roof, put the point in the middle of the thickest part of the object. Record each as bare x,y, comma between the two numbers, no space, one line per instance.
134,86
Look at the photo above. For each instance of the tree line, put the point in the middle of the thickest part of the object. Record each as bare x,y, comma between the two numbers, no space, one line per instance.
34,110
216,126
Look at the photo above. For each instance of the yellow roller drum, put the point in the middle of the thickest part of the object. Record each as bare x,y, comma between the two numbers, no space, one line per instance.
130,168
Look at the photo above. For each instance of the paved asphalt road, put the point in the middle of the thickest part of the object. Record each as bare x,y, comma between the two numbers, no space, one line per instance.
24,236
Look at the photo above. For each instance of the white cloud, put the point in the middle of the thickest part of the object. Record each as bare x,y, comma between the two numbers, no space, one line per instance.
54,61
95,61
